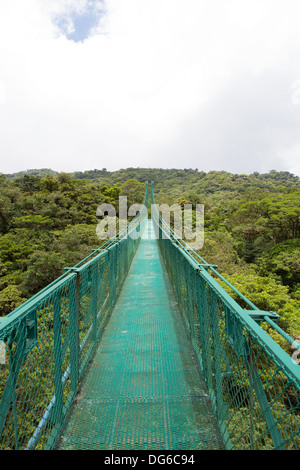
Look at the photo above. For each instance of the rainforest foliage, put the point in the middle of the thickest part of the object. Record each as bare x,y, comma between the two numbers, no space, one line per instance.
252,226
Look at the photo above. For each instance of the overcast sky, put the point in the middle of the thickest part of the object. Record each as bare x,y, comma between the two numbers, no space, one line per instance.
207,84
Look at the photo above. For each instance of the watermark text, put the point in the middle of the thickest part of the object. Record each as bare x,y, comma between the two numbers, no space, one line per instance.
187,223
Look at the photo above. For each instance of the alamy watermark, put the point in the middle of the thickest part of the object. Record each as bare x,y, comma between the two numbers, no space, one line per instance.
2,352
296,354
187,223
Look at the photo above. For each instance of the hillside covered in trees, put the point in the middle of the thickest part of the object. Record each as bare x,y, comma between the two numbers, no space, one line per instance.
252,227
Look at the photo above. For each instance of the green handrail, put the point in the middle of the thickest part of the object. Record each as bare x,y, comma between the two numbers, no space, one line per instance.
50,339
253,383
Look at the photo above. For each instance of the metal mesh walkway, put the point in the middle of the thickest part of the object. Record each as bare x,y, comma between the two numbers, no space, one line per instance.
143,389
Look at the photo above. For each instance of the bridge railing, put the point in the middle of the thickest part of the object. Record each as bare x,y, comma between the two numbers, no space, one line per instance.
50,339
253,384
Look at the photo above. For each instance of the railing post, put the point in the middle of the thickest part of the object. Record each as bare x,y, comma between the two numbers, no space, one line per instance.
74,312
203,327
17,336
216,340
258,387
206,351
57,413
112,276
95,283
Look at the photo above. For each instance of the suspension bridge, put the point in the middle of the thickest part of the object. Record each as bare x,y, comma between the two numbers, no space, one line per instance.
140,346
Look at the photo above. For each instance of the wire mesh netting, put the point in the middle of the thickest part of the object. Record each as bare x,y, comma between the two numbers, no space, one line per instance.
254,385
194,371
143,389
49,341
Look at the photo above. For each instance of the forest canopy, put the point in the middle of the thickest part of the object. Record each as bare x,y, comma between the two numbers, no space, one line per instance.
252,226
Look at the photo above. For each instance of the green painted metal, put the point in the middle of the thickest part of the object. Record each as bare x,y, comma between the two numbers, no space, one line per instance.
110,335
253,383
51,338
143,389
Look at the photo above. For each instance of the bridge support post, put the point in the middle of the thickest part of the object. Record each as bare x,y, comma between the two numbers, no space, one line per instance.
203,328
259,390
95,277
57,412
217,359
74,312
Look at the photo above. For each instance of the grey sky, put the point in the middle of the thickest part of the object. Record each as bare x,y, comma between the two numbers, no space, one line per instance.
213,85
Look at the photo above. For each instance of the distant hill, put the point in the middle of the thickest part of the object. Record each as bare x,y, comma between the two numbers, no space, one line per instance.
180,182
190,174
184,182
40,173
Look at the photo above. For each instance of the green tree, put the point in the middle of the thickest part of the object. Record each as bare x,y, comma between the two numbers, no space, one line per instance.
10,298
29,183
267,294
43,268
50,183
134,190
284,261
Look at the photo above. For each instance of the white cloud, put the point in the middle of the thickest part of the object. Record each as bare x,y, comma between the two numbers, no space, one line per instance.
159,83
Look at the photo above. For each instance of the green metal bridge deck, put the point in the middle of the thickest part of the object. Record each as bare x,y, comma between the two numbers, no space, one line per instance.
142,346
143,389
